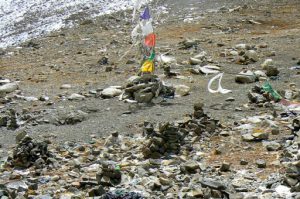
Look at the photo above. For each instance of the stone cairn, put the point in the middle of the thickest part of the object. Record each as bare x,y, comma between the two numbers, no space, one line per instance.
168,138
291,157
30,152
109,175
144,89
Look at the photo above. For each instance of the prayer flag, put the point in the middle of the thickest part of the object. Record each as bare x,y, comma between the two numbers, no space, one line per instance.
150,40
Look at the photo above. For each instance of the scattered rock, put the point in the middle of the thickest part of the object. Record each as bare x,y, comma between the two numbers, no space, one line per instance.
272,146
111,92
242,46
103,61
76,96
66,86
261,164
245,77
260,135
8,88
225,167
251,55
243,162
272,71
248,137
267,63
190,167
211,183
182,90
143,97
188,43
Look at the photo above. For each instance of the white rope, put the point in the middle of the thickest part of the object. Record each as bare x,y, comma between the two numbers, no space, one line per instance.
220,89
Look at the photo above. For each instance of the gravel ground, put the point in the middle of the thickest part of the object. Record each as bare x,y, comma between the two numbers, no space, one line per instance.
71,55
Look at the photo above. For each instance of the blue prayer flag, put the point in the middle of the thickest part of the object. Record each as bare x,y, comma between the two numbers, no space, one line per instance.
146,14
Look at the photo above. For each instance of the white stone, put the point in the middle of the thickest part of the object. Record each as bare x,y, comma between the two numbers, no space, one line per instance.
241,46
283,191
111,92
195,61
234,53
65,86
4,81
133,79
76,96
252,55
260,73
245,77
267,62
201,55
8,88
182,90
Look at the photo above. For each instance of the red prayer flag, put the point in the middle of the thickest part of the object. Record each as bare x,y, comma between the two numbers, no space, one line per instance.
150,40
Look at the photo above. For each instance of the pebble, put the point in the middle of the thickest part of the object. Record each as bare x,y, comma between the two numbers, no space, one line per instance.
76,96
261,164
225,167
230,99
66,86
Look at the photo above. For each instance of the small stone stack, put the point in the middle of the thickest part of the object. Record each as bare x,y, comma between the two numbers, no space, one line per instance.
291,157
9,120
30,152
200,123
144,88
167,139
109,175
258,96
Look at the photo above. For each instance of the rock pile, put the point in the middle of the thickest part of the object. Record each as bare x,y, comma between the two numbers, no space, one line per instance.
291,159
143,89
199,124
30,152
9,120
259,96
168,138
167,161
109,174
263,95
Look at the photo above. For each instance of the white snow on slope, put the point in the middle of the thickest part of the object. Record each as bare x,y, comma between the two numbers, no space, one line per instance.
21,20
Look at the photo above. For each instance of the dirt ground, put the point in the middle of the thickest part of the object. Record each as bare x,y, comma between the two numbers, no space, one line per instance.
71,56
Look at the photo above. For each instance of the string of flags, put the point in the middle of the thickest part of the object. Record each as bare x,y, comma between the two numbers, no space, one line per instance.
144,34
